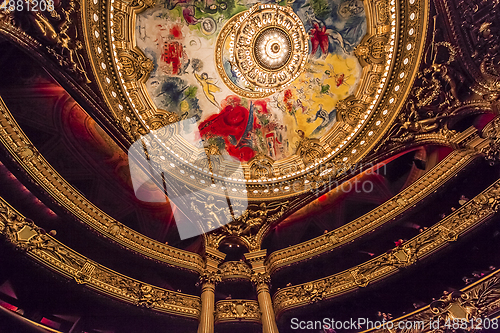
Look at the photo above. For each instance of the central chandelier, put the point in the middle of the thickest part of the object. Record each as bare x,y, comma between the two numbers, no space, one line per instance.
262,50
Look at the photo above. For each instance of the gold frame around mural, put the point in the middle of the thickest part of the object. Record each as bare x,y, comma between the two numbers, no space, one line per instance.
390,53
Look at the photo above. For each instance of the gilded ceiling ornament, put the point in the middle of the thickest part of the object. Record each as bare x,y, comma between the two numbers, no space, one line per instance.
210,160
134,65
373,50
309,150
266,46
55,29
160,121
413,121
253,219
143,3
485,35
435,97
250,226
261,167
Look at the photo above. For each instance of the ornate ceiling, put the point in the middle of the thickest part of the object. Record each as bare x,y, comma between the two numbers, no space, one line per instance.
215,166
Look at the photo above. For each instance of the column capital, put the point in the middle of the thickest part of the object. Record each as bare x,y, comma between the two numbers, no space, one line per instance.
210,277
260,279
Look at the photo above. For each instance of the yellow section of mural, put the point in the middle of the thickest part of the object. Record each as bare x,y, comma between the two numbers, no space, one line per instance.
321,86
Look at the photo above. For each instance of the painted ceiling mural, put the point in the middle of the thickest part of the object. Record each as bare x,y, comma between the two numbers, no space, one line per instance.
277,75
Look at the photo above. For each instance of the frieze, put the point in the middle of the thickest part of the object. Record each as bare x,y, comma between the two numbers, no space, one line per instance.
235,270
373,50
445,170
135,66
62,192
237,310
43,248
472,304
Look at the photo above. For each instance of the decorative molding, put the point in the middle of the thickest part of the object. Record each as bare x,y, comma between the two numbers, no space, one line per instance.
54,30
43,174
350,110
472,304
237,310
436,237
233,270
309,150
40,246
250,226
395,206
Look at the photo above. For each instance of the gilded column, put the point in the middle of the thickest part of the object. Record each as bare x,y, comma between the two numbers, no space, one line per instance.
261,280
208,280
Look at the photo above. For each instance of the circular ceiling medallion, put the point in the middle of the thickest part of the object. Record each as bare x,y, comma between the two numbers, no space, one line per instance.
262,50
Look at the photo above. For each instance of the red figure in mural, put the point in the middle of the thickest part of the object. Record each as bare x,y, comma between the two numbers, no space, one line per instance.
319,37
188,14
340,80
289,104
233,124
172,55
172,52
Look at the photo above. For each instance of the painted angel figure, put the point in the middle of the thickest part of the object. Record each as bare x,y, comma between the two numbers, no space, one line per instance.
208,86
